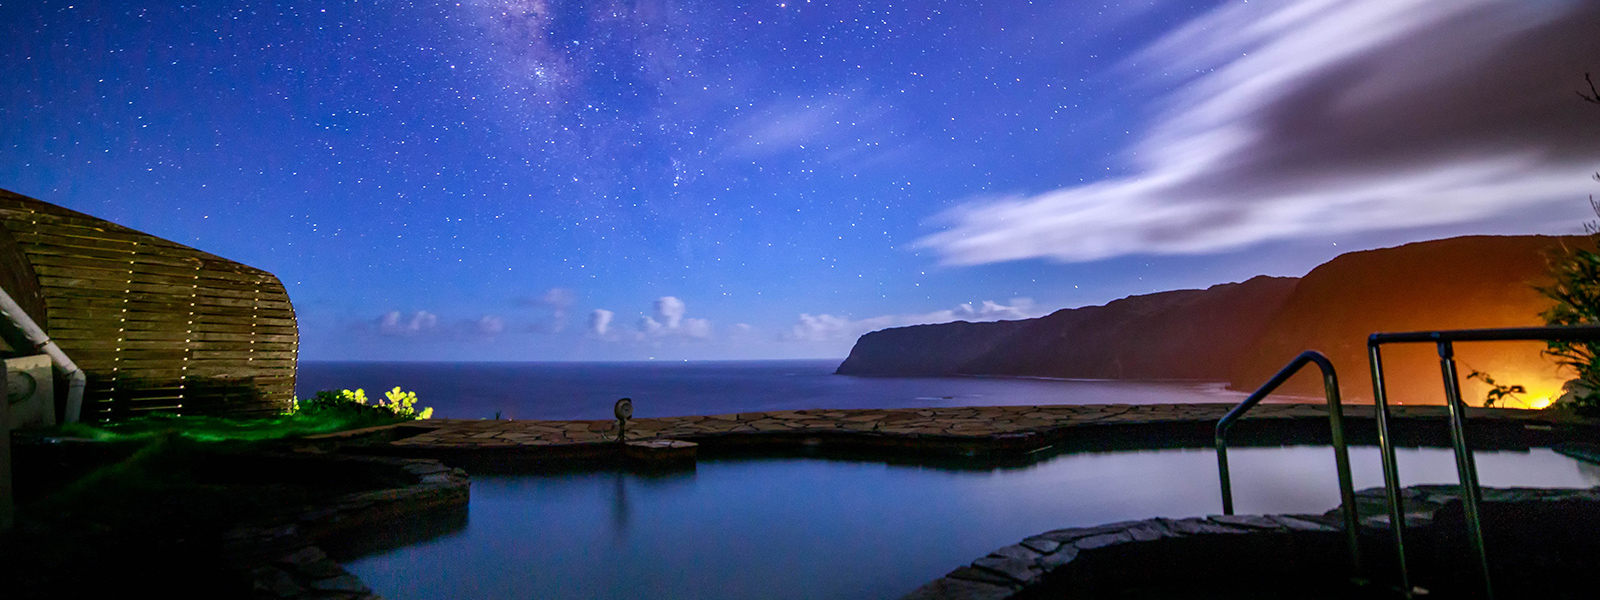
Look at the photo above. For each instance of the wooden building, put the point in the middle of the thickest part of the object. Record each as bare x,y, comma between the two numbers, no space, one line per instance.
155,325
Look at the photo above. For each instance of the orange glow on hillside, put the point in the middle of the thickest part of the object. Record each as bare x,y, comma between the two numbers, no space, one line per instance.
1541,390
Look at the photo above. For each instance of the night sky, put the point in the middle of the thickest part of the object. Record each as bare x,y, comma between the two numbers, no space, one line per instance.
560,180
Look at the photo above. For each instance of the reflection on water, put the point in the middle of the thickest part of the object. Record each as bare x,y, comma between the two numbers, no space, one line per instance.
619,506
1590,473
811,528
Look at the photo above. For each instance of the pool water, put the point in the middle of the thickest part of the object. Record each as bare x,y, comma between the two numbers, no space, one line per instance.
814,528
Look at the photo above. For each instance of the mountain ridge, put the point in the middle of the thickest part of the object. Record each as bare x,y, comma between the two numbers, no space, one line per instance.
1242,333
1143,336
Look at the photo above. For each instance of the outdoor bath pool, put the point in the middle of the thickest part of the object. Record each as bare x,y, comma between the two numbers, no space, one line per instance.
816,528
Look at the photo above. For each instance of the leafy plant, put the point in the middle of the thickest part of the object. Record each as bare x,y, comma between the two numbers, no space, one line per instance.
1498,393
404,404
395,403
1577,296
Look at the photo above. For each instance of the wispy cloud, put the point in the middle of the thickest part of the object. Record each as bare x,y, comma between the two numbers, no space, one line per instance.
1323,117
669,320
395,324
830,328
489,325
696,328
600,321
558,301
426,325
834,126
671,310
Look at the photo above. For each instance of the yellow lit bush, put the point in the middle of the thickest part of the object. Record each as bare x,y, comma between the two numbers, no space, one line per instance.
395,402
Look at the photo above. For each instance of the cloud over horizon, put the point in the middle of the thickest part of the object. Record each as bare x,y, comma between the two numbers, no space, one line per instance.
600,321
1321,117
832,328
394,324
426,325
671,310
669,320
558,301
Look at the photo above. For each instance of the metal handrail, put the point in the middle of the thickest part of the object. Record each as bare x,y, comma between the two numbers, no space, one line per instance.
1466,469
1341,452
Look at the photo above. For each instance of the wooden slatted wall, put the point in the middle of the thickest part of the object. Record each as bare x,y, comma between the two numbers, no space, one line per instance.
154,324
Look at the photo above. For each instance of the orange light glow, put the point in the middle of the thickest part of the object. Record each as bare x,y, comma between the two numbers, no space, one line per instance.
1540,391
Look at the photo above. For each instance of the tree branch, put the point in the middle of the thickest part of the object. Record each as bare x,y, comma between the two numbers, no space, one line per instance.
1593,96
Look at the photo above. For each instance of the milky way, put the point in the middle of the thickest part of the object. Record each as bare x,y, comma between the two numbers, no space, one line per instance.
557,180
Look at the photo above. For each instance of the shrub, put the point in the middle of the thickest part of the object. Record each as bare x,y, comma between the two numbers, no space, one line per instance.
396,403
1577,295
1498,392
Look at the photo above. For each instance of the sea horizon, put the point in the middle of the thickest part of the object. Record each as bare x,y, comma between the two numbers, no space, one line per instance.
586,389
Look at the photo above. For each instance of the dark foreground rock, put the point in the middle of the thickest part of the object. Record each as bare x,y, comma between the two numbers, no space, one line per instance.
208,523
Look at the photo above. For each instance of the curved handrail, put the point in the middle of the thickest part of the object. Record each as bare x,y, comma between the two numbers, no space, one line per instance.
1341,452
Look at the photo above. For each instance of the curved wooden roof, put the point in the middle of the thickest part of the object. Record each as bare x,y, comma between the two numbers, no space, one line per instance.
155,325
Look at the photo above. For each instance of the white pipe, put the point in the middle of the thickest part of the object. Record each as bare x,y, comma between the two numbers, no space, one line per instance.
42,342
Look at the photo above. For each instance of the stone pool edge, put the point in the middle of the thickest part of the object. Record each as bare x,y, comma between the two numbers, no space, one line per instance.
281,556
981,432
1043,565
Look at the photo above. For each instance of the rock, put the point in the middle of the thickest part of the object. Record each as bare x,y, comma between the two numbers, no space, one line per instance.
274,583
662,450
1101,541
1041,545
982,575
427,468
1199,526
1306,523
312,563
1067,536
303,556
1058,558
1019,552
960,589
1149,531
341,583
1247,521
1019,570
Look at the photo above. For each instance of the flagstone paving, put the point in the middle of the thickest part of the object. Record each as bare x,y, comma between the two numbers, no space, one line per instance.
955,423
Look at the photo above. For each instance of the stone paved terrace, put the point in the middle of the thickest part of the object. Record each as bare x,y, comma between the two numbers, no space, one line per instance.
1013,427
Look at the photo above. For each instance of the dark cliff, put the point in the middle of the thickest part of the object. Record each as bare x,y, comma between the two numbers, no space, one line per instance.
1184,334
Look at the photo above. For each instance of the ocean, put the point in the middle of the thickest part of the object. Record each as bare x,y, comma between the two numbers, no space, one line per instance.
572,390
